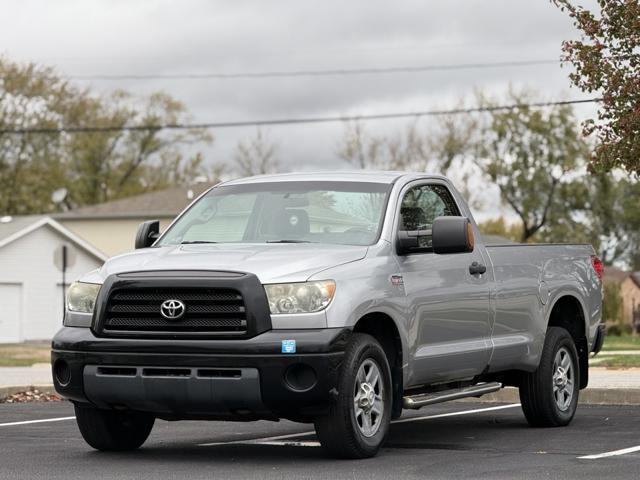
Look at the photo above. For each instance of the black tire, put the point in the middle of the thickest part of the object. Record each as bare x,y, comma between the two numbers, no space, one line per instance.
537,395
340,432
111,430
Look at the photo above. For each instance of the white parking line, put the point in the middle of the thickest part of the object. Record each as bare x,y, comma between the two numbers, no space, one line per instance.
277,439
453,414
613,453
258,440
285,443
27,422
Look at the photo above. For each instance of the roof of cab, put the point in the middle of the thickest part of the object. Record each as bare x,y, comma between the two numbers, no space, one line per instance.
335,176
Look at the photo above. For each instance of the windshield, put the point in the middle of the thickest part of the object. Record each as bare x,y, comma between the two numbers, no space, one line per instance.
347,213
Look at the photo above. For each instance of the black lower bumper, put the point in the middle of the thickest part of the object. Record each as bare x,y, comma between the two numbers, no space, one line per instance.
189,379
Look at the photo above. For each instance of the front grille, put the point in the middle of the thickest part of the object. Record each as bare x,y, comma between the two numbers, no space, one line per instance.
207,310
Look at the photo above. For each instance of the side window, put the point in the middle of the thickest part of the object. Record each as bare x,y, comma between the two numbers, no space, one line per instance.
421,205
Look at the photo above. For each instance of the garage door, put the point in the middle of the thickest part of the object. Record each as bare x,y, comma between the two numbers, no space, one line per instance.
10,312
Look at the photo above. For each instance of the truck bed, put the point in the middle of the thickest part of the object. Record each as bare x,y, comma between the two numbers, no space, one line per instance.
529,278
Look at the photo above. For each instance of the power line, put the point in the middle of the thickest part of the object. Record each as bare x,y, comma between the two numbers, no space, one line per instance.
287,121
315,73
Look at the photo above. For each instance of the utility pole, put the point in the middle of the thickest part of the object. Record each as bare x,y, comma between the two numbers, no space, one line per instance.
64,278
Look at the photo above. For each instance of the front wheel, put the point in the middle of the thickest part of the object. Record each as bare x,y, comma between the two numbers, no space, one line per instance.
358,421
112,430
549,396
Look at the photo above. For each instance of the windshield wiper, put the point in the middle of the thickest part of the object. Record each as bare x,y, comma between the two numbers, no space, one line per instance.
192,242
288,241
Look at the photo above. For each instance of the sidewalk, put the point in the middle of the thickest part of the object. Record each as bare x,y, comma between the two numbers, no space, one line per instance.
614,378
606,387
619,352
39,374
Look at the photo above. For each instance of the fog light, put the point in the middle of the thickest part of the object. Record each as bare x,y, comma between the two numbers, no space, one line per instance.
62,372
300,377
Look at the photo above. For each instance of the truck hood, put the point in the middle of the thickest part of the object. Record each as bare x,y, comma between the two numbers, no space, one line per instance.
272,263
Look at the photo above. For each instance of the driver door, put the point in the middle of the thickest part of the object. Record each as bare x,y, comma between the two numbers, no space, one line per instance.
450,333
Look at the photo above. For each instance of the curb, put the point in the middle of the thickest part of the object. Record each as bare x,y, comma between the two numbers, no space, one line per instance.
12,389
589,396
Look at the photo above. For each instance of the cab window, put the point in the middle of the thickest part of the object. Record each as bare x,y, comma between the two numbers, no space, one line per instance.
421,205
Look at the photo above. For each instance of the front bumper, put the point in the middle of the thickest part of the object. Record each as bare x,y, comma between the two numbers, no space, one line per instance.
202,379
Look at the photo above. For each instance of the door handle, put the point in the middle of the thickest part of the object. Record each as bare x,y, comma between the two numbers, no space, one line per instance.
477,268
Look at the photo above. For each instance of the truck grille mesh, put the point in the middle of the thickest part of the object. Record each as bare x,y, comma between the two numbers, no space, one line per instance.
208,310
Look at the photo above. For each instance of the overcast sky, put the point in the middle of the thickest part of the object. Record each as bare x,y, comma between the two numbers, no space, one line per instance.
91,37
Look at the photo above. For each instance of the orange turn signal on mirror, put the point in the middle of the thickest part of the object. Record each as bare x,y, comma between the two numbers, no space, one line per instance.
471,242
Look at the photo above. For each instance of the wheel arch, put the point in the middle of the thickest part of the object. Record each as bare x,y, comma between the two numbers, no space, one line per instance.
568,312
383,328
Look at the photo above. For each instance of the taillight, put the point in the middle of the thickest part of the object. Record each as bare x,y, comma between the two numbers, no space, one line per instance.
598,266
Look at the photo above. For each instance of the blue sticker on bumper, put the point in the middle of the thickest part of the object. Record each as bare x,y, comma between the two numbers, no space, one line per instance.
288,346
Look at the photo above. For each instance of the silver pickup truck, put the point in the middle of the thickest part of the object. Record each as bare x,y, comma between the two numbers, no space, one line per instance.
333,298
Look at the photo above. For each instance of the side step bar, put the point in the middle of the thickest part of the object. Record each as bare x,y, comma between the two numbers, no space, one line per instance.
422,399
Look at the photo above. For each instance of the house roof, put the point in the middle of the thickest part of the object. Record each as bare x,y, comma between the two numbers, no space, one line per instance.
162,203
14,228
615,274
11,225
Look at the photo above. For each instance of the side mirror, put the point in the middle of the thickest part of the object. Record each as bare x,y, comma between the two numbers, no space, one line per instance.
410,241
148,232
452,235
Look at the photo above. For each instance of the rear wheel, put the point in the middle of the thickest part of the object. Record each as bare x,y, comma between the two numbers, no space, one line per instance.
112,430
549,395
358,421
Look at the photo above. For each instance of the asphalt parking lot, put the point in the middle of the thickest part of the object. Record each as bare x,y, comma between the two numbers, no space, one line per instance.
463,439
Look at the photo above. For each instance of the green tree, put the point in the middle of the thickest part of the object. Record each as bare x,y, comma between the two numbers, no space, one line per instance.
498,226
29,97
630,222
437,148
256,156
612,304
442,147
533,156
93,166
607,60
407,151
602,209
608,204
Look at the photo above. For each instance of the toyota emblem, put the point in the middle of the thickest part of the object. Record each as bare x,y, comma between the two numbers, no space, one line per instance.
172,309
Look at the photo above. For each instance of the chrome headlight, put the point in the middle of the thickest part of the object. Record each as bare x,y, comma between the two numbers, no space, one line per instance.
303,297
81,297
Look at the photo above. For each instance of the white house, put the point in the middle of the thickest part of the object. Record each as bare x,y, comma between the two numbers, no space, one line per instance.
31,288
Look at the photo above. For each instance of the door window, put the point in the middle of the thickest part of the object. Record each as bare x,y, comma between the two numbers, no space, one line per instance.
421,205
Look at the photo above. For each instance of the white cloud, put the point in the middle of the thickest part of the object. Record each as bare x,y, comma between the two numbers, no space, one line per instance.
196,36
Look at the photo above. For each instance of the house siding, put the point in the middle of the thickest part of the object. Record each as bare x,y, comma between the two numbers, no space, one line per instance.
630,293
112,236
28,262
